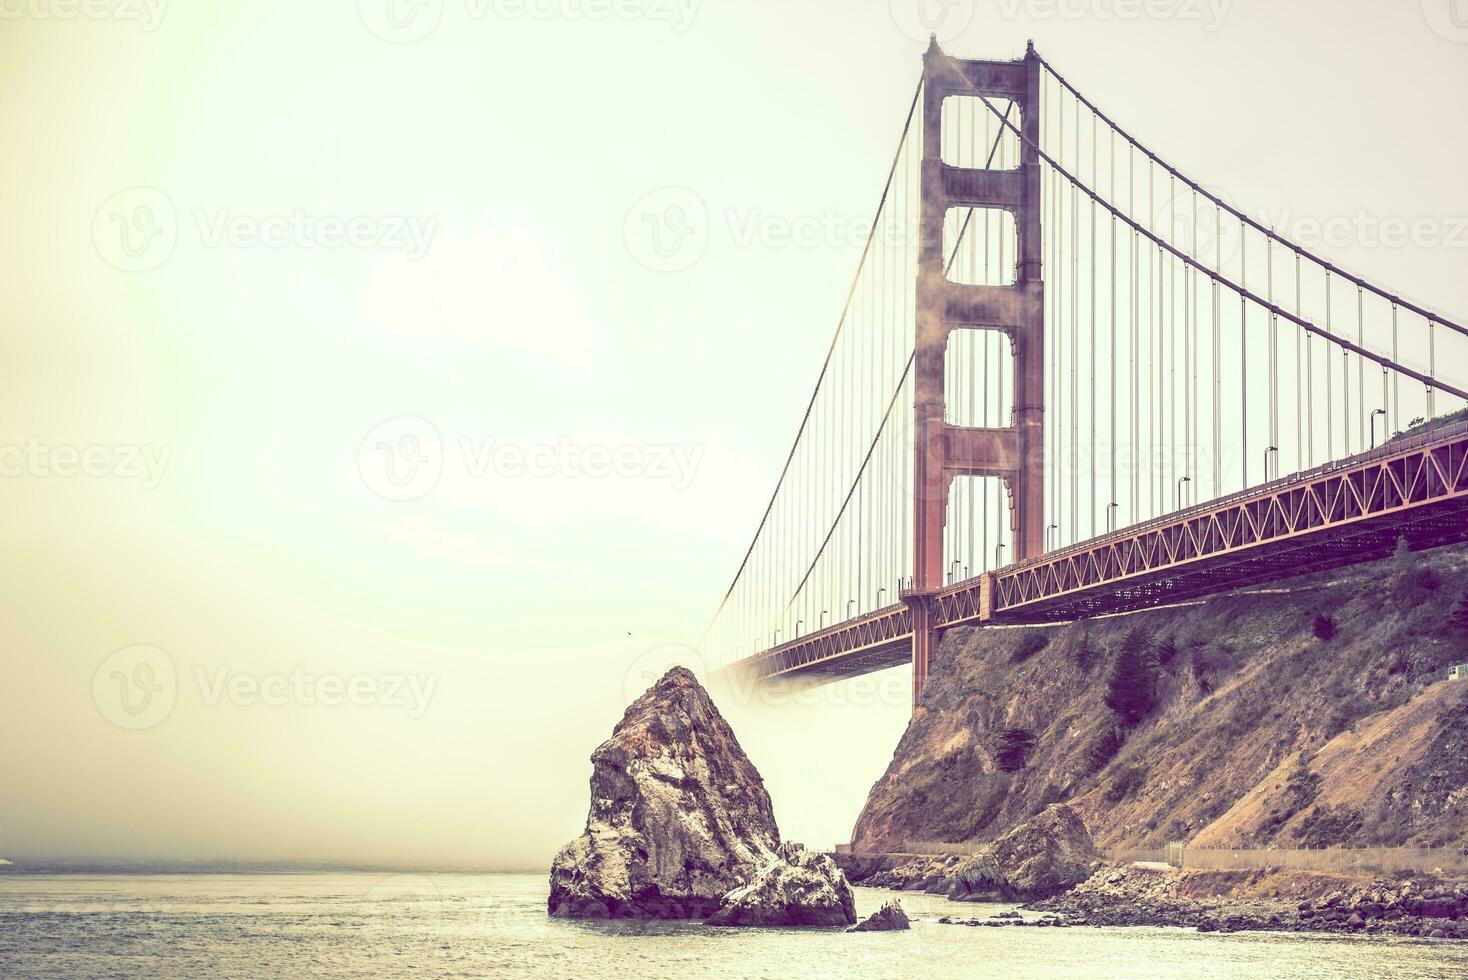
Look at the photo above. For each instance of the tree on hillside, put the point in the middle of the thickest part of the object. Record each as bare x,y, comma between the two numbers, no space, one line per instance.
1324,628
1131,689
1166,650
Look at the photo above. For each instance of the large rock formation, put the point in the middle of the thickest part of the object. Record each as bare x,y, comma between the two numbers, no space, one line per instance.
1043,856
679,815
799,888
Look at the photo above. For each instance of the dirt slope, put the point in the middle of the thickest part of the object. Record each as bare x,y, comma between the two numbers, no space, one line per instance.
1260,733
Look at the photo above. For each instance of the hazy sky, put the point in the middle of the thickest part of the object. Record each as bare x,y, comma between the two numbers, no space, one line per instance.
253,249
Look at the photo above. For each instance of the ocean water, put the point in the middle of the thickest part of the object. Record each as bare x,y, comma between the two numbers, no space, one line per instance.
494,925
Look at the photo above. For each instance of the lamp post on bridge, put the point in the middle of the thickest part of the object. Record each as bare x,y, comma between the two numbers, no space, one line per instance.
879,596
823,618
1268,451
999,555
849,604
1112,510
1374,413
1048,529
1186,479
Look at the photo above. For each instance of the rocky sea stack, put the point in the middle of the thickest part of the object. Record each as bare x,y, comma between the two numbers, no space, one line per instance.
679,815
888,918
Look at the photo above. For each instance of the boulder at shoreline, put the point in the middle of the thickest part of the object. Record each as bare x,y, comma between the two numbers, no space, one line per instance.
798,888
888,918
1044,856
679,815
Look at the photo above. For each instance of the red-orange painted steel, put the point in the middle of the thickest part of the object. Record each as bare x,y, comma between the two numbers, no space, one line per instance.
944,452
1344,513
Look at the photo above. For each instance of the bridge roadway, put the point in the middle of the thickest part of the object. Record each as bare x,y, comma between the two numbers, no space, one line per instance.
1346,512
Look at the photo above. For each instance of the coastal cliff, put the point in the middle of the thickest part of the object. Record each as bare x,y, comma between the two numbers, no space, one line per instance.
1308,713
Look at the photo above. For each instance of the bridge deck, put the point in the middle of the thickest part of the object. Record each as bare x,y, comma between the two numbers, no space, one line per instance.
1343,513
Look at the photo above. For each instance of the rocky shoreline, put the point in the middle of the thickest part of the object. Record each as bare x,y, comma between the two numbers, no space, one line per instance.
1140,896
1209,901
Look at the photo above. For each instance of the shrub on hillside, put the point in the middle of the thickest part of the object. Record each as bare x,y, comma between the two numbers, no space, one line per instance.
1104,749
1127,781
1325,826
1166,650
1013,751
1458,619
1324,628
1417,581
1131,688
1084,652
1202,674
1032,644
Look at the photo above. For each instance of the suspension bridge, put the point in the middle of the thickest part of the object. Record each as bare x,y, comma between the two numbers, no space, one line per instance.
1069,380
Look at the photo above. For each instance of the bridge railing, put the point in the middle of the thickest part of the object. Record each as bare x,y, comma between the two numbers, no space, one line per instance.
1406,443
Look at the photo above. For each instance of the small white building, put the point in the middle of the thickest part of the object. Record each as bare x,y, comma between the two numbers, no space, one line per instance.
1458,673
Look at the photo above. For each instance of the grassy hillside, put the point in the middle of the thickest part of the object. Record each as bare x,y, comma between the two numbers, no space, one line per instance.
1230,722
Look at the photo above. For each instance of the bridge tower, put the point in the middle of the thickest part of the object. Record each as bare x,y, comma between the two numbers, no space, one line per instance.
1013,453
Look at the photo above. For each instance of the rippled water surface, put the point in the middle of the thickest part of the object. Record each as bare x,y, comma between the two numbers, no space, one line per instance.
365,925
